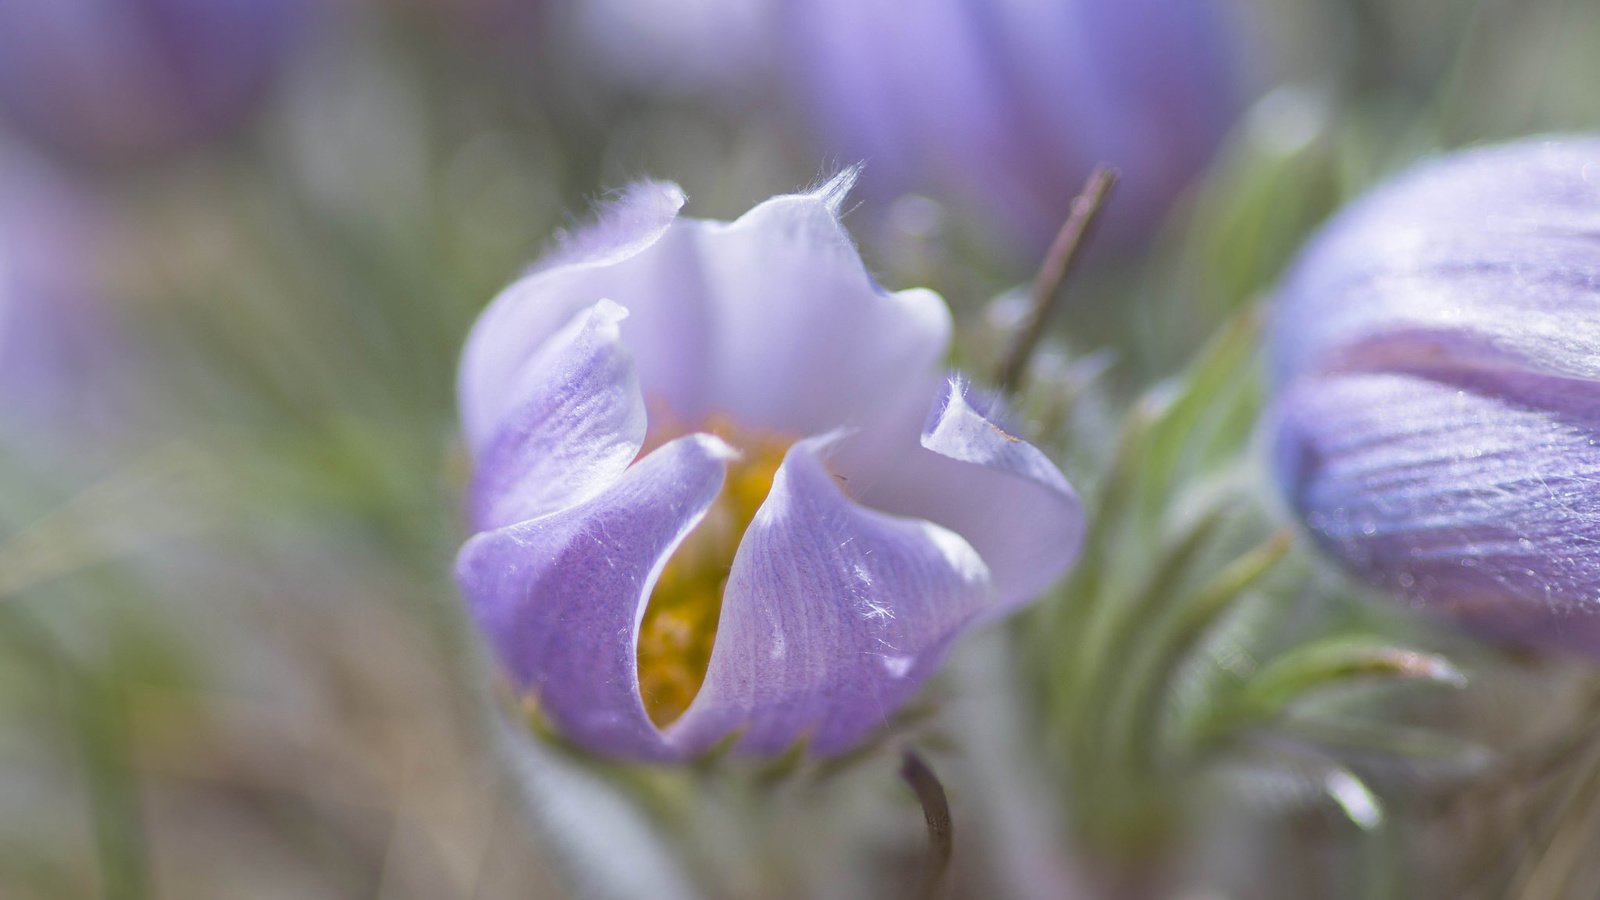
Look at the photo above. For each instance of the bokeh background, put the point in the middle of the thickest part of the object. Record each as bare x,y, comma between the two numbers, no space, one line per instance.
241,242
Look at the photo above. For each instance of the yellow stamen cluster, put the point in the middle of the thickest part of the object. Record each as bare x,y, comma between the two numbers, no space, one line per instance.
680,621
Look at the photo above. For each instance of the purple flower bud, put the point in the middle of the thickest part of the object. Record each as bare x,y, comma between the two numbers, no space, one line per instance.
1006,105
690,48
1437,418
101,80
711,497
62,366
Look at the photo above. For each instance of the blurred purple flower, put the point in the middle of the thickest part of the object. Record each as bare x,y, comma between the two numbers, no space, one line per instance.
710,495
1006,105
1437,420
61,362
111,80
690,48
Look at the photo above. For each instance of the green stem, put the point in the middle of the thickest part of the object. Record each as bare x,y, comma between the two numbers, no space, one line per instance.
1140,702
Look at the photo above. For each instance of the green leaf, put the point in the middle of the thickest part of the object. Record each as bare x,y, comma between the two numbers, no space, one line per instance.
1338,663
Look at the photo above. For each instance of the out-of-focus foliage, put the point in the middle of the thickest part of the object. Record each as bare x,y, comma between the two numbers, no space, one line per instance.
232,662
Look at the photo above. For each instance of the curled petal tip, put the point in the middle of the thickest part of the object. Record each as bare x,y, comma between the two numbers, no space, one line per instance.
716,448
833,192
609,312
623,226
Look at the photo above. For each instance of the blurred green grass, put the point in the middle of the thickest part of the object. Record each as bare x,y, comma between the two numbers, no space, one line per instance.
233,662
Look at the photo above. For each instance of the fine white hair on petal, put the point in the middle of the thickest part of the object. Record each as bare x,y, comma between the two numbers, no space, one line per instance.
601,260
1436,416
623,224
833,192
1485,256
989,404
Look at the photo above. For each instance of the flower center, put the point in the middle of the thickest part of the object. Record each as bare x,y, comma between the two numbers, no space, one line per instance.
680,619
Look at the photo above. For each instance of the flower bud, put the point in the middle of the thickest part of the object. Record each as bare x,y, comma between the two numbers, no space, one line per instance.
704,49
66,369
1004,106
112,80
1436,423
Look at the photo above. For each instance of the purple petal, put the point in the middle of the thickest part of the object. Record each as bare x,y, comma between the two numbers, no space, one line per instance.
625,227
1484,259
688,48
1004,105
833,616
1161,77
1436,411
621,258
113,81
879,98
580,422
994,489
561,596
806,342
1473,493
771,319
71,370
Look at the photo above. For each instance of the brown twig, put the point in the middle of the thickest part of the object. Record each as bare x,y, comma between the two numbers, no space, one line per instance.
1053,272
936,810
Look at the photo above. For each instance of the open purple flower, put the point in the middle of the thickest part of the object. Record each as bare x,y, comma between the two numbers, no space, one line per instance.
1437,361
711,497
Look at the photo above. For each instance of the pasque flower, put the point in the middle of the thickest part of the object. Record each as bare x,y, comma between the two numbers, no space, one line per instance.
64,365
1436,354
1004,106
110,80
723,491
690,48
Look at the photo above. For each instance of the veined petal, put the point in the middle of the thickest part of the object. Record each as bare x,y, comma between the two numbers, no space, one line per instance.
806,342
624,257
561,596
1472,493
579,422
833,616
994,489
1436,413
771,319
1485,259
